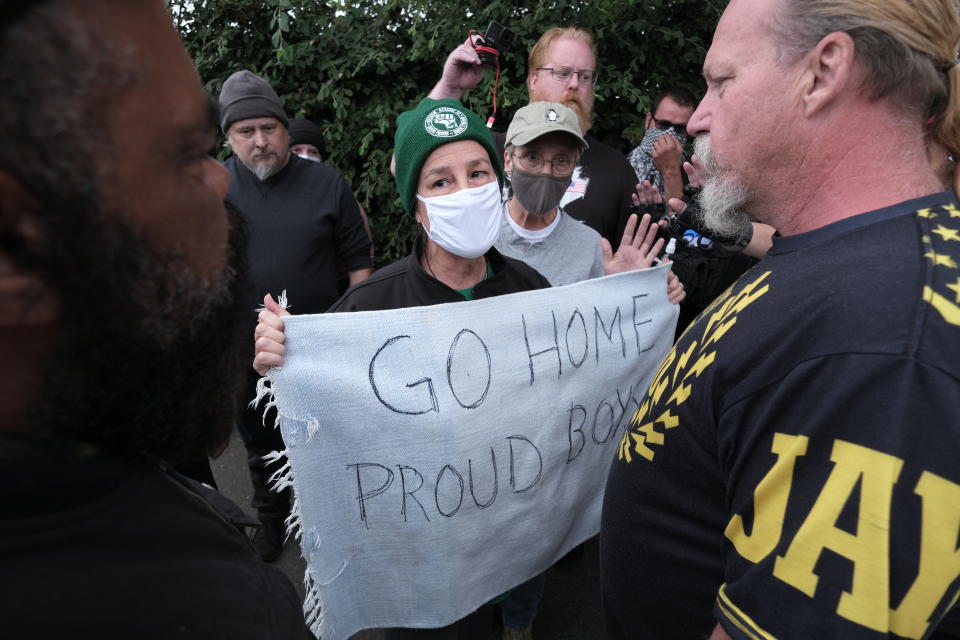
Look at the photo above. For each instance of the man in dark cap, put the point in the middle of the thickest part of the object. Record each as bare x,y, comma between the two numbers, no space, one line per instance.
119,274
302,216
306,140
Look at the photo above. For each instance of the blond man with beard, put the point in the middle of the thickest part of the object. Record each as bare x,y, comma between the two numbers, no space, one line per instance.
562,68
793,471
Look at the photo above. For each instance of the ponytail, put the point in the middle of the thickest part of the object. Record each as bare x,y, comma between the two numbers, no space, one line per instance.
946,130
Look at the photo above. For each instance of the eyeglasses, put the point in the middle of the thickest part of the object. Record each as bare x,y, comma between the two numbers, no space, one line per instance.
533,161
563,74
666,124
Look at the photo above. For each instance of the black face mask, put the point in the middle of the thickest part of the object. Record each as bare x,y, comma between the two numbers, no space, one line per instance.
538,193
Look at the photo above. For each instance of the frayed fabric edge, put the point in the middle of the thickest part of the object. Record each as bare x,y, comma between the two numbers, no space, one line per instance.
278,481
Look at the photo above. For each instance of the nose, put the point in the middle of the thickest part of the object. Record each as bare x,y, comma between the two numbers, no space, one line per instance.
699,121
259,139
217,178
574,82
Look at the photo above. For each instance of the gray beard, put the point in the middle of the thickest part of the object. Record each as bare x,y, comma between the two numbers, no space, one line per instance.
722,199
263,170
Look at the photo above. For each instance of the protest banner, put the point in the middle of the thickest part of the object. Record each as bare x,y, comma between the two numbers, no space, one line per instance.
441,455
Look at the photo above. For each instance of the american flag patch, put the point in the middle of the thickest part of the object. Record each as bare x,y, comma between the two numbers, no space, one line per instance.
577,186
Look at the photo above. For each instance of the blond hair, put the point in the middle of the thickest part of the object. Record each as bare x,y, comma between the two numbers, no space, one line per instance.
907,47
538,53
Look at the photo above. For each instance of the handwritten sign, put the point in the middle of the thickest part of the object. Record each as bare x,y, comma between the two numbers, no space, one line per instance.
442,455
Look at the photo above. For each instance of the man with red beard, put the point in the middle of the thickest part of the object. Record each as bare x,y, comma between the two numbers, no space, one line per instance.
120,274
562,68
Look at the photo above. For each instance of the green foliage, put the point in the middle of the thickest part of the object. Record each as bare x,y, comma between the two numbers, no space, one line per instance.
352,68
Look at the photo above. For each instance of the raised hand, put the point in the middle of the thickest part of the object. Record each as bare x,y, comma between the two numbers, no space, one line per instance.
667,152
694,170
638,248
268,337
645,193
462,71
675,290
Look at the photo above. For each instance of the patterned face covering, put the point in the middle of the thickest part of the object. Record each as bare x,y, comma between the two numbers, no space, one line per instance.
641,158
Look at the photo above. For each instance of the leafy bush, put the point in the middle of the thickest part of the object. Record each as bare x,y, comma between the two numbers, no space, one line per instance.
352,68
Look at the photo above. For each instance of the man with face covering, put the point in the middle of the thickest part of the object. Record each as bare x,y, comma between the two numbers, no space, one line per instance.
658,158
542,146
119,280
306,140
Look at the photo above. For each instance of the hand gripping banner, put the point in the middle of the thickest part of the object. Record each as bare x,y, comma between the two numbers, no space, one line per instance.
441,455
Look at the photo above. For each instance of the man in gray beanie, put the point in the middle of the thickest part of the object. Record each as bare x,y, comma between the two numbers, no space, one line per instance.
255,123
301,217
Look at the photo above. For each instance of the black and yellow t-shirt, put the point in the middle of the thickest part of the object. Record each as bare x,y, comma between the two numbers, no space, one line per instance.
794,471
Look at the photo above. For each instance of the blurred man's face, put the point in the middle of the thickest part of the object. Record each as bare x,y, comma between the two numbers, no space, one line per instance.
150,282
307,151
749,111
576,56
262,144
670,114
173,193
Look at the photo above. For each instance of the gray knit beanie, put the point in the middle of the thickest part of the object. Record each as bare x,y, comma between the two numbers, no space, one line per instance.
246,95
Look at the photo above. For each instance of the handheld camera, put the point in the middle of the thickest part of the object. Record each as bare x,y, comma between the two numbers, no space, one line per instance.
496,37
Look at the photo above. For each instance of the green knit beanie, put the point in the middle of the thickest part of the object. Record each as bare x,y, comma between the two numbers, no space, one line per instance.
432,124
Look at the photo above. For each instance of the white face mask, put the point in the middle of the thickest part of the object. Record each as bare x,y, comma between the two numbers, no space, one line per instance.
465,223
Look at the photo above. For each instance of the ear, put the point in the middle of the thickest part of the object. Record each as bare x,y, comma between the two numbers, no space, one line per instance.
829,70
420,215
507,161
647,121
26,299
531,82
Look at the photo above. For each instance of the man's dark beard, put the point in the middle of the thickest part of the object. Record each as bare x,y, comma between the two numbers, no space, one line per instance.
151,357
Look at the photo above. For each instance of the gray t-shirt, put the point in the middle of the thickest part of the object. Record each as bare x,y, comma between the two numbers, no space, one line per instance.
568,252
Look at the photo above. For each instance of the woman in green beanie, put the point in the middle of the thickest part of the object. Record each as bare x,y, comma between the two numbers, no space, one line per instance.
449,178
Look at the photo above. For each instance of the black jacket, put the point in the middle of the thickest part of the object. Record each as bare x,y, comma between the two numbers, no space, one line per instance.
93,546
405,284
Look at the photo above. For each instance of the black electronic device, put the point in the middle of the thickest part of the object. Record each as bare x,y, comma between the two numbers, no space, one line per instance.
658,212
496,38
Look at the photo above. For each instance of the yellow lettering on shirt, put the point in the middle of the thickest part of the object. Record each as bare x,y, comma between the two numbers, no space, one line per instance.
868,549
939,556
769,502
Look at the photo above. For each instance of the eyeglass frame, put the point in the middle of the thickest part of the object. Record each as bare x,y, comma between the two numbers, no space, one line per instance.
679,128
553,167
553,73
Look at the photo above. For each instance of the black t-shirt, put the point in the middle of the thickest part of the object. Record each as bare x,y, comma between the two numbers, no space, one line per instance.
299,220
794,471
599,193
98,547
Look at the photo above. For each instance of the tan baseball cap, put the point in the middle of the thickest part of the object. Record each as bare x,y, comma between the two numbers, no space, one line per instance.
540,118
